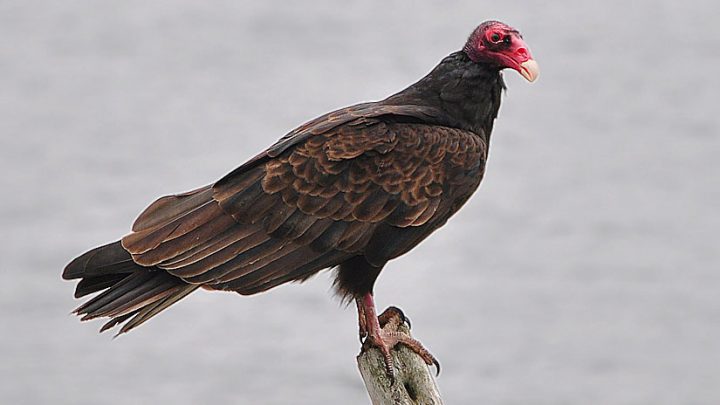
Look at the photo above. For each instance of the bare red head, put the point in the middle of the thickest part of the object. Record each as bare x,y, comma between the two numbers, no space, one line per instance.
501,45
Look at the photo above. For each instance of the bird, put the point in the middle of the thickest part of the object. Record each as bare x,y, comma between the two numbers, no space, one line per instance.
350,191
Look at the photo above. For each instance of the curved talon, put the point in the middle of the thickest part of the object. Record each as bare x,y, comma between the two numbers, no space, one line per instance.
404,318
391,314
384,333
389,367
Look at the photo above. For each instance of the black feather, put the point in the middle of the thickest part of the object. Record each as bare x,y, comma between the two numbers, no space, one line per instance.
90,285
103,260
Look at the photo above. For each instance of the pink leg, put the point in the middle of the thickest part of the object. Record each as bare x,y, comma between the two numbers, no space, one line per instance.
387,336
363,332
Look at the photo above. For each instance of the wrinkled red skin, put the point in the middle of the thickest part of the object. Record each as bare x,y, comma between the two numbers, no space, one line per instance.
498,43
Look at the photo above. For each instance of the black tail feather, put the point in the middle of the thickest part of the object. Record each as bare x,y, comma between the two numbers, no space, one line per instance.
115,321
92,308
151,310
103,260
89,285
132,293
153,290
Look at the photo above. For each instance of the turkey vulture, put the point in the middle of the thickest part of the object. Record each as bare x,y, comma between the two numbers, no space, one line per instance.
351,189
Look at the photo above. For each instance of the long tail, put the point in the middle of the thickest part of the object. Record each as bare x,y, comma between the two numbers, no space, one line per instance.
133,293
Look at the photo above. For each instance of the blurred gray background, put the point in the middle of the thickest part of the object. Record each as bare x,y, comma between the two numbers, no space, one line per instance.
585,271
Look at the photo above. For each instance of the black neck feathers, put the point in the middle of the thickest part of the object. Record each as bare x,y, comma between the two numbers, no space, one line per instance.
467,92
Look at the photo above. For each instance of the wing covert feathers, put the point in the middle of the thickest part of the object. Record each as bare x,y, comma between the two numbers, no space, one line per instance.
325,196
350,183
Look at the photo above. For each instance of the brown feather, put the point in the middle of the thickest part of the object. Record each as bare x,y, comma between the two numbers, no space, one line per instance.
259,262
350,185
209,247
259,209
294,226
408,216
278,177
231,186
117,320
144,314
358,246
90,285
243,200
330,238
100,261
427,213
314,231
254,253
124,286
192,239
368,209
332,206
277,217
167,208
275,268
353,232
138,298
309,204
298,273
386,209
221,256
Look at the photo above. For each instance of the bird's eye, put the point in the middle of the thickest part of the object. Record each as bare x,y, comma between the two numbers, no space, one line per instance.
495,37
507,39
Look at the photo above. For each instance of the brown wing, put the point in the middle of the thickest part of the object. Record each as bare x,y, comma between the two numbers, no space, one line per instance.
328,122
344,186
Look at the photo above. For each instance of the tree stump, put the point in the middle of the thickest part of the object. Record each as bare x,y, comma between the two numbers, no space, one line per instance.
413,385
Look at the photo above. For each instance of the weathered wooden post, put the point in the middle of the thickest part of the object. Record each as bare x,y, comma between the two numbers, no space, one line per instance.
414,383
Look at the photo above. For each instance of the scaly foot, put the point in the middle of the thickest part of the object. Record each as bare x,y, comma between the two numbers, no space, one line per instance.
383,332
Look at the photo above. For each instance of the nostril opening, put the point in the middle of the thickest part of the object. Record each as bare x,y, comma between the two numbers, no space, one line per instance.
521,51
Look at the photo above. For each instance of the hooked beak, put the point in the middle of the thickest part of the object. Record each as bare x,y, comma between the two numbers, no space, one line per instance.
530,70
521,60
